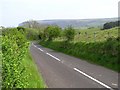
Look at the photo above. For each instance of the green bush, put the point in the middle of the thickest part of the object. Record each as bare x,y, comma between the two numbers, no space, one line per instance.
42,35
21,28
31,34
52,32
14,49
69,33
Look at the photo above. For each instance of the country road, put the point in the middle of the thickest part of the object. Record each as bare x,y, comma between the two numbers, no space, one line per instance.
63,71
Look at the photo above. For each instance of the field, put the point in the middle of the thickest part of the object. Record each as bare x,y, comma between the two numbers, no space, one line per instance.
96,35
93,35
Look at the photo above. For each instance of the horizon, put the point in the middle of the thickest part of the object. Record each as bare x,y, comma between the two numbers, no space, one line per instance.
13,14
62,19
78,18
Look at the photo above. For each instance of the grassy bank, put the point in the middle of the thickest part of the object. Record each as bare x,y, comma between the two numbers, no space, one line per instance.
34,79
101,53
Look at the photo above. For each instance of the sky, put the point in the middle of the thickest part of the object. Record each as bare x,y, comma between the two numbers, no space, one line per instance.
13,12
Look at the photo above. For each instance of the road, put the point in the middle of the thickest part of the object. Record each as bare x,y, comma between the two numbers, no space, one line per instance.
63,71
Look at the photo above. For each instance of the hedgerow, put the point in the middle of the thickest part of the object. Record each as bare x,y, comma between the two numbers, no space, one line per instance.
14,49
102,53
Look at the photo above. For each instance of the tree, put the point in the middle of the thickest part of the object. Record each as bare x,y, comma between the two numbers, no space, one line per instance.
31,24
52,32
41,35
109,25
69,33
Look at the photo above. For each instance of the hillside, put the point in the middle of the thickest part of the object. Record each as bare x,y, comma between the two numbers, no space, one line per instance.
77,23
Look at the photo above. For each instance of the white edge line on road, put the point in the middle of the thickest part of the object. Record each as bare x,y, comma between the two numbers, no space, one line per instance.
47,53
53,57
35,46
38,48
93,79
79,71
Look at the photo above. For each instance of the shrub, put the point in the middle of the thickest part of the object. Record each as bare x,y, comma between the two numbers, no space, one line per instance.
14,49
52,32
69,33
32,34
20,28
41,36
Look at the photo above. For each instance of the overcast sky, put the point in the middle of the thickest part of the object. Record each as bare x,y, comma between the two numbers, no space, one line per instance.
13,12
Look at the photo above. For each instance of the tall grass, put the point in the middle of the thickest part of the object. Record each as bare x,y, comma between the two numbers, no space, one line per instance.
35,80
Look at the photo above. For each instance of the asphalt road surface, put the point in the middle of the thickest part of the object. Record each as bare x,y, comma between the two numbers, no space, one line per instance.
63,71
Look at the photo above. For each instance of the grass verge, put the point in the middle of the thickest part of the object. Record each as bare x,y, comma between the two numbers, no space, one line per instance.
35,79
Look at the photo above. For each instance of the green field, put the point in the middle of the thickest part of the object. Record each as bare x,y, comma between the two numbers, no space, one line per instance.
93,35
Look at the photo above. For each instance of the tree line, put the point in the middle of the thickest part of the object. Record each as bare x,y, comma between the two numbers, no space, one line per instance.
109,25
52,32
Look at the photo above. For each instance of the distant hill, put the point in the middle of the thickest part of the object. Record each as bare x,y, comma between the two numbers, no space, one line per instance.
77,23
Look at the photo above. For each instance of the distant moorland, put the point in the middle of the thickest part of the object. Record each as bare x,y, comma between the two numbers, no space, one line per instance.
76,23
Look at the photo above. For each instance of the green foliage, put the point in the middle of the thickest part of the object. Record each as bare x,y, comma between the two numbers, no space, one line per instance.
69,33
95,35
34,79
18,68
94,45
109,25
32,34
21,28
42,36
102,53
0,61
14,48
52,32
